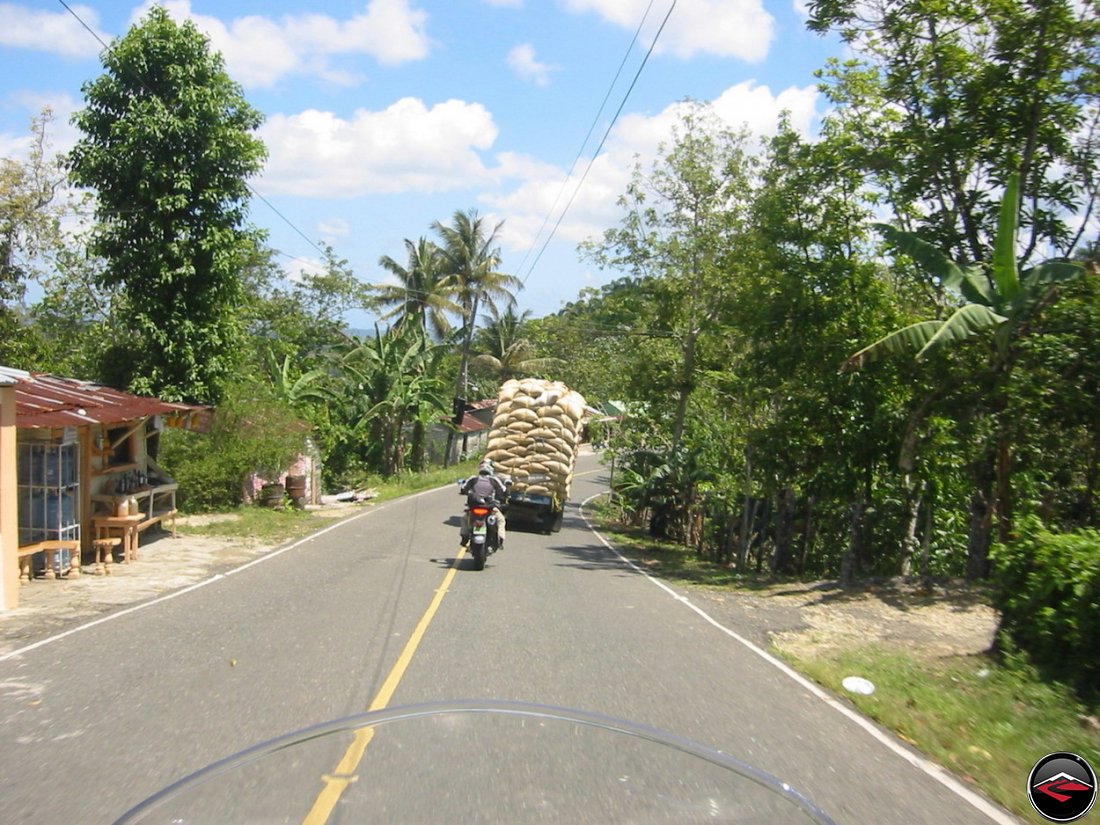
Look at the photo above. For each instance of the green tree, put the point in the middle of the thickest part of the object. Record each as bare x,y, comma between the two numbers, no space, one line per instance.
424,293
28,230
947,99
168,146
389,382
999,302
471,261
680,223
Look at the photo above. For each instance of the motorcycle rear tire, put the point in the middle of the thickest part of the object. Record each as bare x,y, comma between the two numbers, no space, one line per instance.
478,552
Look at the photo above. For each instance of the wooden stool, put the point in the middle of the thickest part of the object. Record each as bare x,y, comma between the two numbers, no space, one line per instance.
105,554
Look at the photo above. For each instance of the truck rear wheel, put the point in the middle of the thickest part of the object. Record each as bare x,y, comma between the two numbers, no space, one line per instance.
555,522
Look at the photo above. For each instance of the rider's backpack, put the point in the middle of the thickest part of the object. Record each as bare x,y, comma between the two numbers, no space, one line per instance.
483,489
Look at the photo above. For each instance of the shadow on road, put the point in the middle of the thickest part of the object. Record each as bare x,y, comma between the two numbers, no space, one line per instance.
592,555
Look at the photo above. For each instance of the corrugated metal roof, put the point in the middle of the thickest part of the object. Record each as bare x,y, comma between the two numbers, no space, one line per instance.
43,400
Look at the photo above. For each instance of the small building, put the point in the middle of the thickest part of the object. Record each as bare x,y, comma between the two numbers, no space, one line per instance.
73,455
472,433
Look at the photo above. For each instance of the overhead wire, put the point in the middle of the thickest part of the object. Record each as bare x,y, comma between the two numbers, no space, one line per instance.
603,140
591,129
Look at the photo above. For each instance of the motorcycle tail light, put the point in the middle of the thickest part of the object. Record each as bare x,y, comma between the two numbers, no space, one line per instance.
480,511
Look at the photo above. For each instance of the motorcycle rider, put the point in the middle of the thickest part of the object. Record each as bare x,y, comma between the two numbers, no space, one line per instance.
488,485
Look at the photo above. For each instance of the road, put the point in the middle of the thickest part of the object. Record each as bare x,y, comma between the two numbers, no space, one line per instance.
375,611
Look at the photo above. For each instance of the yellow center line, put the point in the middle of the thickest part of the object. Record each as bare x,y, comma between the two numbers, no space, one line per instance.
337,782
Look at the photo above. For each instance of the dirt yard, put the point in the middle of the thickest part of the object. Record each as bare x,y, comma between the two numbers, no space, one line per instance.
804,620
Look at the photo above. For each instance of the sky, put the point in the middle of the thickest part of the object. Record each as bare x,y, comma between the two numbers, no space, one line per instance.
384,116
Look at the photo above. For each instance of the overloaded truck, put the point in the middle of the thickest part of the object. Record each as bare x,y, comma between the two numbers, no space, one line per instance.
534,439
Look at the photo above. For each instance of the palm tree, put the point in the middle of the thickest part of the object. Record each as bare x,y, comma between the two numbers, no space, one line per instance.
424,294
997,301
508,354
470,260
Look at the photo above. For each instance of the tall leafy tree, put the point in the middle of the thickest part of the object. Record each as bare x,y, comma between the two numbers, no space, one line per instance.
390,381
28,229
680,220
947,99
168,145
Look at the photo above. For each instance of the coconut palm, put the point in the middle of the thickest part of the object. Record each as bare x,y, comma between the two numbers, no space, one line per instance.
470,258
423,295
507,353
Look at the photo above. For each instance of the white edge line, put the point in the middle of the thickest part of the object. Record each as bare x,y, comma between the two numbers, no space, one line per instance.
931,768
216,577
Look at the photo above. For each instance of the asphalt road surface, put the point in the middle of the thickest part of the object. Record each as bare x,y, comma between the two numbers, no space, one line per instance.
377,612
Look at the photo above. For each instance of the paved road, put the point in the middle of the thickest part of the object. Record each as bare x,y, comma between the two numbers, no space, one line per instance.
95,722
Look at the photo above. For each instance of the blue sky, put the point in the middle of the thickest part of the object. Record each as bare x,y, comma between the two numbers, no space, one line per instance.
383,116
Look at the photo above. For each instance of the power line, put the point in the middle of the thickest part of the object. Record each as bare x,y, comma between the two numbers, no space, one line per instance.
603,140
145,88
591,129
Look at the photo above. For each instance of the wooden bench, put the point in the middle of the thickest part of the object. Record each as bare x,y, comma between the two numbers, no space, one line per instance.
26,553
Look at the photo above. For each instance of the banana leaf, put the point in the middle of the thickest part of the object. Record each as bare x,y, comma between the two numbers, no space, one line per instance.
963,323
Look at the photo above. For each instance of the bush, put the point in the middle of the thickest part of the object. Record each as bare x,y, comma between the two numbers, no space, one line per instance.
252,432
1048,592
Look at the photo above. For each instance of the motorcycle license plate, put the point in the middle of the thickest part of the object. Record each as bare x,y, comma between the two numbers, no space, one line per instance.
479,534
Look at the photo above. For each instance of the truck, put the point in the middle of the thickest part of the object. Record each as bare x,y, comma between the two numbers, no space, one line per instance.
536,431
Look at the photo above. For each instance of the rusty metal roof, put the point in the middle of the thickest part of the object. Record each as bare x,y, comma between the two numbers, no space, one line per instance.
47,401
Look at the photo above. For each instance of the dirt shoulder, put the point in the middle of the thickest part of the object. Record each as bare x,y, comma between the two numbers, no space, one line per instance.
810,619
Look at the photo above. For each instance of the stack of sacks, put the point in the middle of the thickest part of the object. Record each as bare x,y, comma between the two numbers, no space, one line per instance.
536,431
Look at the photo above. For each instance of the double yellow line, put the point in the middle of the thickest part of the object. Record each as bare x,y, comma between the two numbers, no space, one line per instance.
337,782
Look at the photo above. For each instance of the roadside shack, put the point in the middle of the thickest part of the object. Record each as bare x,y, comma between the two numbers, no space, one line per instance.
82,472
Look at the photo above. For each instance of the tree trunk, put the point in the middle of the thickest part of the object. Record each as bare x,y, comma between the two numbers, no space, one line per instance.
850,560
746,515
784,517
909,542
926,542
685,388
808,534
981,523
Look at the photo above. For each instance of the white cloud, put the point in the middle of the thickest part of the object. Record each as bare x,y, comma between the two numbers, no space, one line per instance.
333,228
725,28
522,61
407,147
635,138
54,32
259,51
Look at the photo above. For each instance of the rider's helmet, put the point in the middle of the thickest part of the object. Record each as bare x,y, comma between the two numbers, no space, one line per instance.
485,468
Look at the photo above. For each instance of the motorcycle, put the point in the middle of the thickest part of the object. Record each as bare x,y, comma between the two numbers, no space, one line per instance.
431,763
484,536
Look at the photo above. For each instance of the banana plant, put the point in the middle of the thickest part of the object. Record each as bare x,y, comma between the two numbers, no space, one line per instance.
996,298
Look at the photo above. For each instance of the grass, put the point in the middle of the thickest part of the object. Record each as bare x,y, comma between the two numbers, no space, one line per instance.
986,720
279,526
